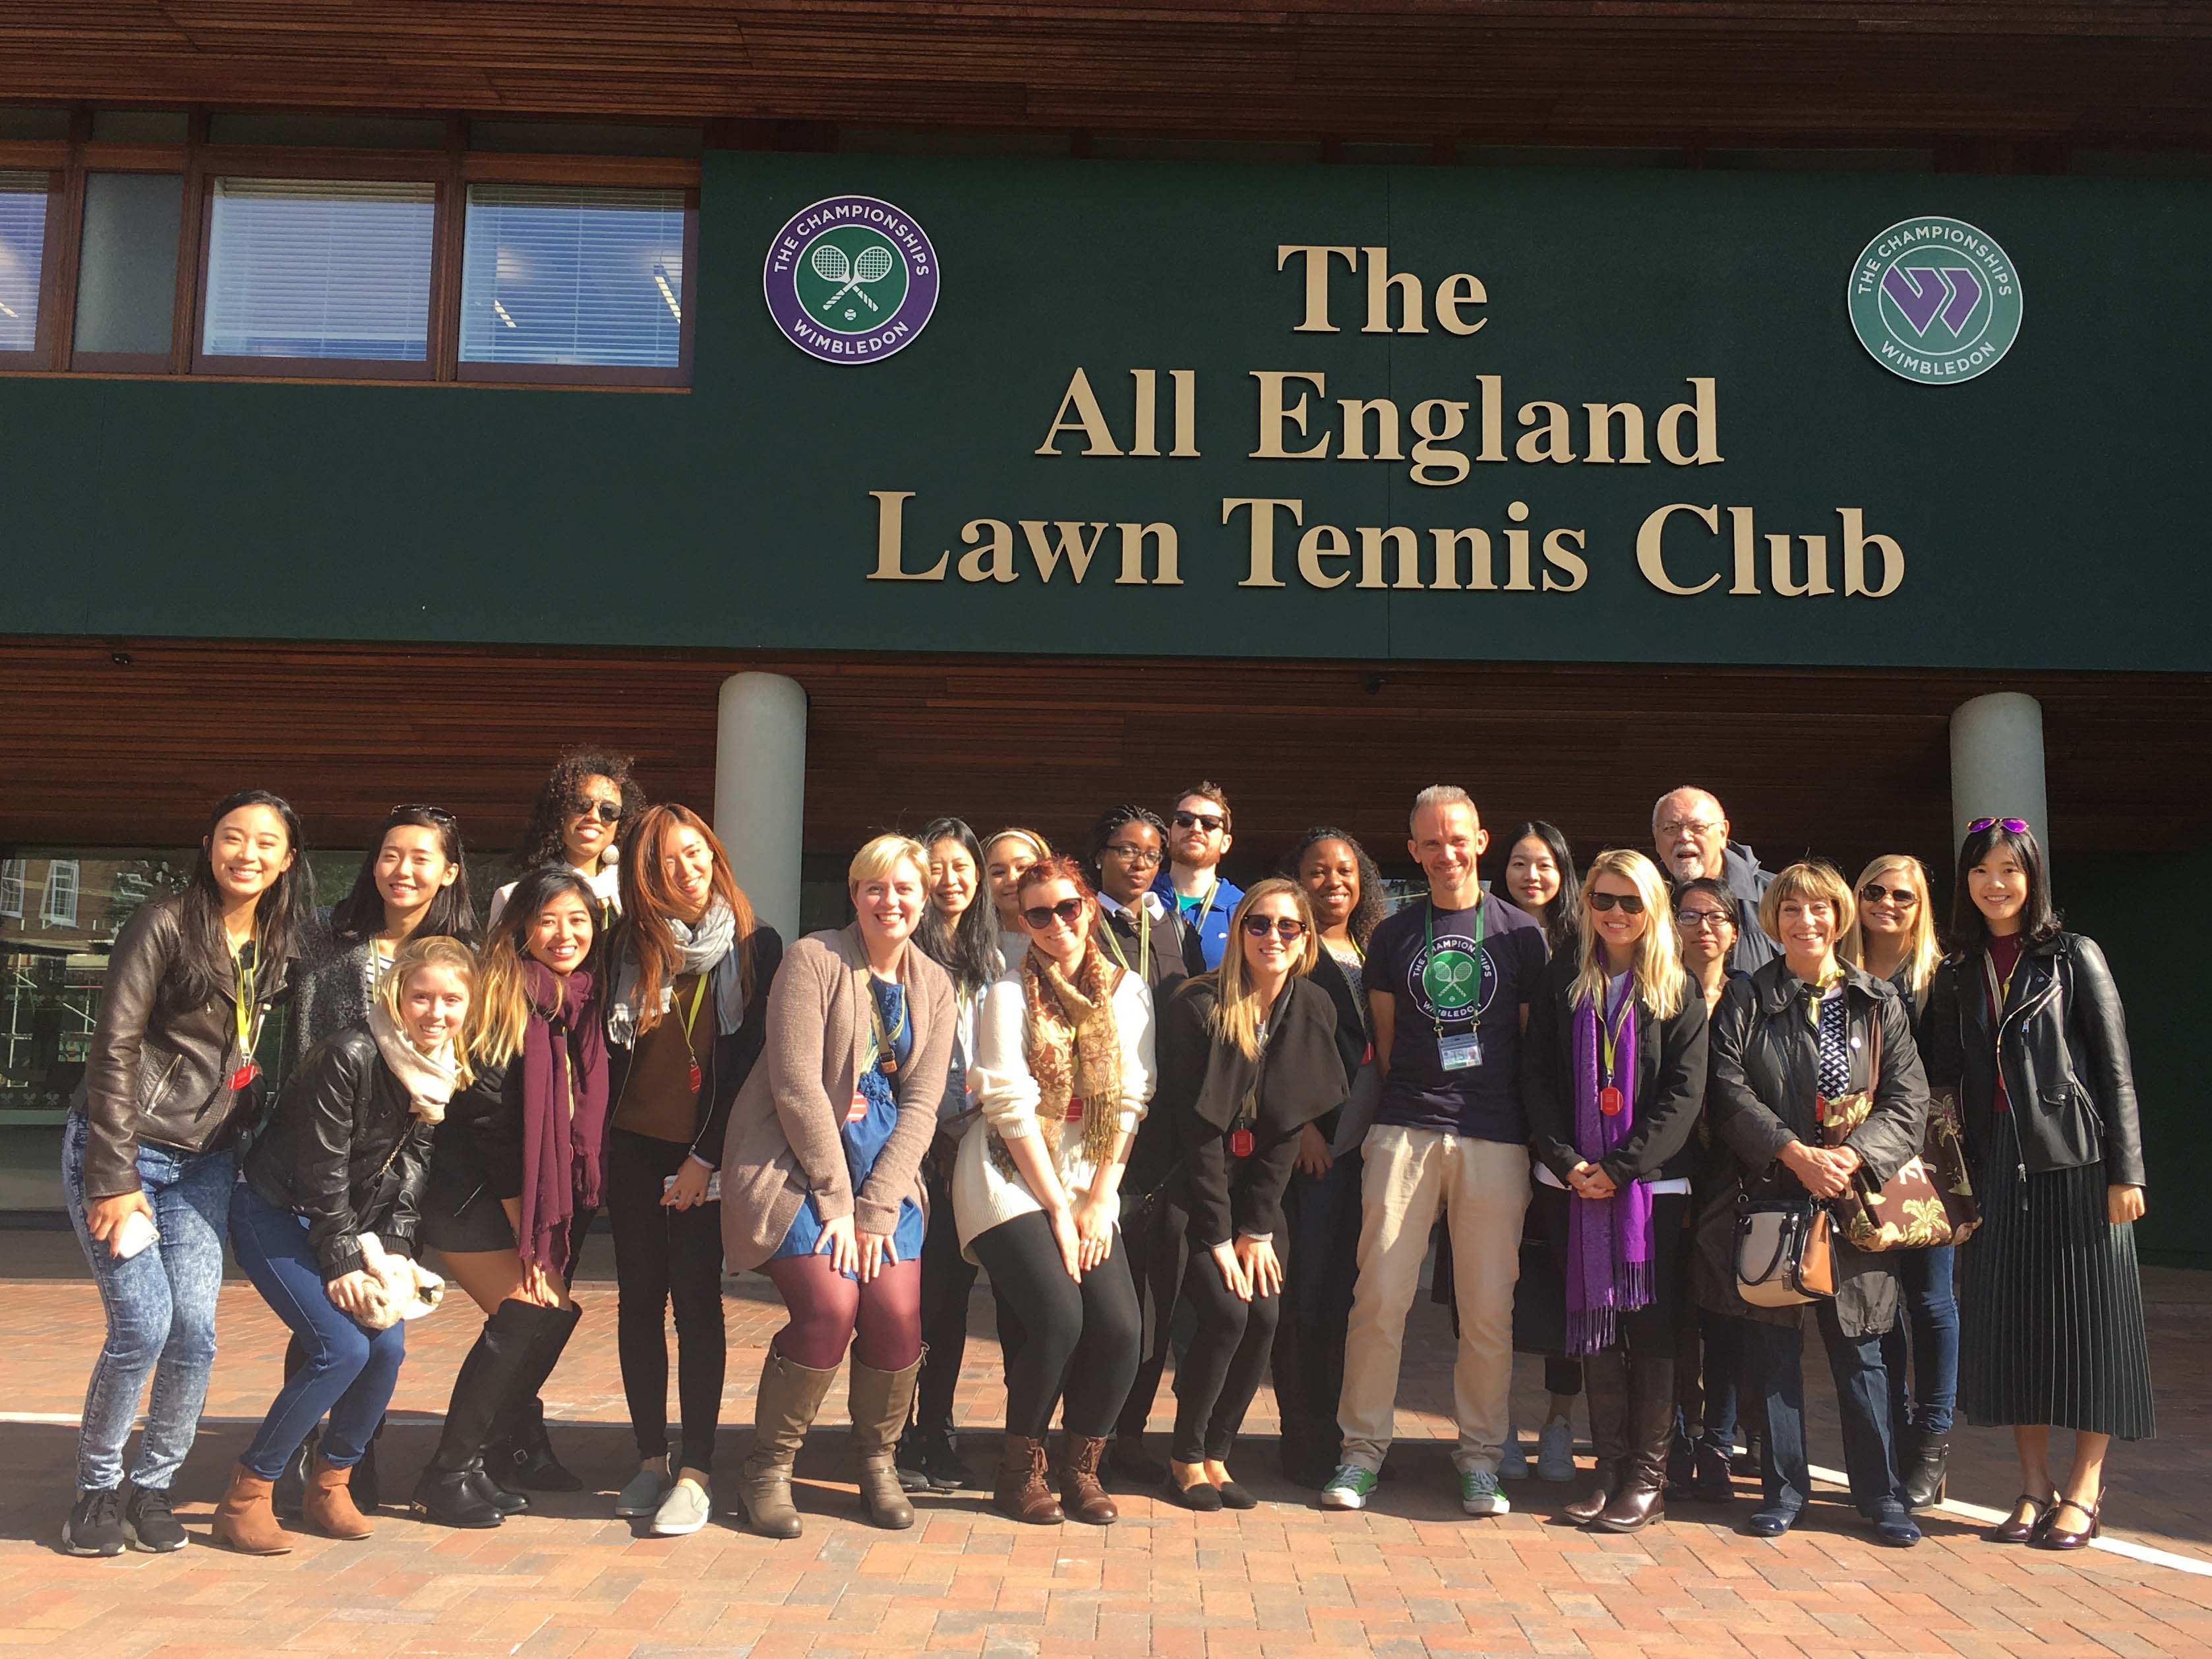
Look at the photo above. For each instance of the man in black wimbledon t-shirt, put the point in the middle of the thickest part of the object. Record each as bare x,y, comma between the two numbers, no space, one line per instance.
1449,979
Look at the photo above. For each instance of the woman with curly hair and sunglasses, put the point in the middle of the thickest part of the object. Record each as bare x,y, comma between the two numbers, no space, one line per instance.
585,808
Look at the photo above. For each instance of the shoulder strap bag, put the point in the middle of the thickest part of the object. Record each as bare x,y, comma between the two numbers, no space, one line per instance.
1785,1253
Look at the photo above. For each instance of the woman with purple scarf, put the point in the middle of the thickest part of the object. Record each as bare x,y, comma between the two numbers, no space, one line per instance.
1613,1076
517,1172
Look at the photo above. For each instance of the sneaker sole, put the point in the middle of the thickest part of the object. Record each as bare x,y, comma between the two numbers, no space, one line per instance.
90,1551
1344,1500
1482,1508
131,1537
659,1531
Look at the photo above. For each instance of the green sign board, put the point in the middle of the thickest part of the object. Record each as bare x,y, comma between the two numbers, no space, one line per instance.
1320,411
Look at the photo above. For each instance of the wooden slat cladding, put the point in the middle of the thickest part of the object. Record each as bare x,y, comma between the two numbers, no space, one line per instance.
1849,762
1511,71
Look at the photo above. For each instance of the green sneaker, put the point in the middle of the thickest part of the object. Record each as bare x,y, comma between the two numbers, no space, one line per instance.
1481,1494
1349,1488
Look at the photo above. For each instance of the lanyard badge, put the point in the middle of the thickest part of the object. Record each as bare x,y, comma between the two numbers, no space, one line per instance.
1610,1025
1462,1053
690,1019
244,972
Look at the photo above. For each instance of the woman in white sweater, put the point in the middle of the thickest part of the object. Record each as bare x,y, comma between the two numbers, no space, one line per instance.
1063,1069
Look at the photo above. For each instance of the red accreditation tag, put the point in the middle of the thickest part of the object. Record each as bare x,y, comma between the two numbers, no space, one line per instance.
1075,1108
696,1080
1240,1143
243,1078
1608,1101
858,1109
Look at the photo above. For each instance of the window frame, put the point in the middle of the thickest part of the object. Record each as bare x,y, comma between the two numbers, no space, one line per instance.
13,872
42,331
49,916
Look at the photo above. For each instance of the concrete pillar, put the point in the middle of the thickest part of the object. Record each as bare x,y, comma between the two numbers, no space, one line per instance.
760,790
1997,763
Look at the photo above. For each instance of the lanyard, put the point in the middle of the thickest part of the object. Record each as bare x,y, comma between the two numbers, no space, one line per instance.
1474,1003
1999,991
1610,1025
692,1014
887,1043
1205,906
244,972
1142,923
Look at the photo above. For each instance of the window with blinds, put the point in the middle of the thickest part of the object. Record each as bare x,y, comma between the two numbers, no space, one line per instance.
22,258
560,275
328,269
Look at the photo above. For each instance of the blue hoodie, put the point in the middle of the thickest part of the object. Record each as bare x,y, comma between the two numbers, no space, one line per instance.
1211,928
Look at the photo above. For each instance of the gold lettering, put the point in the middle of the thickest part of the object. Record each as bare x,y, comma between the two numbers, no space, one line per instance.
1185,382
1746,551
1479,573
1517,550
1454,292
1493,416
1317,258
1073,546
1262,572
1132,554
1856,542
1548,438
1370,556
1275,415
1631,432
1380,282
1556,554
890,527
1148,386
1701,410
1354,447
1651,554
1449,420
1816,566
1090,420
991,560
1323,541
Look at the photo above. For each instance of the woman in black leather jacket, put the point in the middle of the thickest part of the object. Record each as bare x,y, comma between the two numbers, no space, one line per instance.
324,1224
2025,1024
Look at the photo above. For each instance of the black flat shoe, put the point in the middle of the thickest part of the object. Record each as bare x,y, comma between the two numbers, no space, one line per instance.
1205,1498
1234,1497
1770,1523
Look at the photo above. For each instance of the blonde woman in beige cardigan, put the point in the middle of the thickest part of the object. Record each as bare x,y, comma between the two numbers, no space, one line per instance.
821,1179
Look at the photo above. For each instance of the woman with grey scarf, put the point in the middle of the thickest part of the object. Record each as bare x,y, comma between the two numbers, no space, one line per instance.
686,1024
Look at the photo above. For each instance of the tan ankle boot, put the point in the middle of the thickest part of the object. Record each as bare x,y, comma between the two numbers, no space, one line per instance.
881,1402
246,1519
327,1506
1024,1492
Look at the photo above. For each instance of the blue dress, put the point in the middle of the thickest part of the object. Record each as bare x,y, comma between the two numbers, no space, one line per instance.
865,1137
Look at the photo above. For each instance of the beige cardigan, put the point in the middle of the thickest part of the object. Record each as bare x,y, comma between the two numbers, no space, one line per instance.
785,1136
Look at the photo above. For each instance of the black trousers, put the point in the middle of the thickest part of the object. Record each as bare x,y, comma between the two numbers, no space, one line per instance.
1076,1340
664,1255
1320,1217
1221,1369
1159,1249
947,1280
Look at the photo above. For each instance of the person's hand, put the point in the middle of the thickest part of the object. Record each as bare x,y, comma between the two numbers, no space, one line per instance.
2123,1204
349,1292
1815,1169
839,1244
1263,1269
103,1217
1313,1158
876,1254
539,1286
690,1187
1070,1243
1589,1182
1232,1271
1094,1229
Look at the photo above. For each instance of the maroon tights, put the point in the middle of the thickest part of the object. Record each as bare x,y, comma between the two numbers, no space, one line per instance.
880,1321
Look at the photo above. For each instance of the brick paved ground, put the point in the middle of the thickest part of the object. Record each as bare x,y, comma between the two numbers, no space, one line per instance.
1411,1577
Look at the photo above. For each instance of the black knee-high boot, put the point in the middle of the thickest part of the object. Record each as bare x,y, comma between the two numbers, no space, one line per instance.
449,1491
520,1455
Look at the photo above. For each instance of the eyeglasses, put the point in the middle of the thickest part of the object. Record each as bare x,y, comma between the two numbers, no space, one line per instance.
1208,821
1874,893
1040,916
1629,903
1143,857
1696,827
436,814
2018,826
1703,921
606,811
1289,928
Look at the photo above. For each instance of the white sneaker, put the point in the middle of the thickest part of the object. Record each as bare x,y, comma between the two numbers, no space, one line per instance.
1479,1493
1555,1450
684,1509
1512,1456
642,1496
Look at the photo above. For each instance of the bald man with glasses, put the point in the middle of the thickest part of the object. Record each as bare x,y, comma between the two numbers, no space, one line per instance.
1690,833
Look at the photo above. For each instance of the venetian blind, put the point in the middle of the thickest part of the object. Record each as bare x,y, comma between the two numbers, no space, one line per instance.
319,268
572,274
22,253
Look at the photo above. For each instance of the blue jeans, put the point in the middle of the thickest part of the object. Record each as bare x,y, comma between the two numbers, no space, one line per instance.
161,1312
348,1372
1773,1359
1931,1318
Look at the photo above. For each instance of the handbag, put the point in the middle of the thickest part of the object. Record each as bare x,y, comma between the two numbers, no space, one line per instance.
1785,1253
1928,1202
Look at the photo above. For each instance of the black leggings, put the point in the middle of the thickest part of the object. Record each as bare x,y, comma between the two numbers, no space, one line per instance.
663,1254
1220,1372
947,1280
1077,1339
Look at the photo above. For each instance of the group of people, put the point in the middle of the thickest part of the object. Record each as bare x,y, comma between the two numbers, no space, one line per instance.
1158,1110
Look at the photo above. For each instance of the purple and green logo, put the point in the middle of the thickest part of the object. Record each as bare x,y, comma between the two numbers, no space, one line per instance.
1935,301
850,279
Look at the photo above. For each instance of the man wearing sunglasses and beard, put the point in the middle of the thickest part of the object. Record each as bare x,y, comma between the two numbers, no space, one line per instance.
1191,886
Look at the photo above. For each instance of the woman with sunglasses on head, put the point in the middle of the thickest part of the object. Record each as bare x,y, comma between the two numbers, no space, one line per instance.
517,1174
150,1149
2026,1023
821,1181
686,1024
1063,1071
1248,1059
1896,942
1613,1076
1802,1031
960,936
1006,856
1321,1205
582,812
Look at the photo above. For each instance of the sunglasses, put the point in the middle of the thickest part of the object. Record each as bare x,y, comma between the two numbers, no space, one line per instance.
1287,928
1142,857
1040,916
1629,903
2017,826
1709,921
1207,821
1874,892
605,811
436,814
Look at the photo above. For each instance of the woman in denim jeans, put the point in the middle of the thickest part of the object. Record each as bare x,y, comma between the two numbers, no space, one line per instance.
150,1151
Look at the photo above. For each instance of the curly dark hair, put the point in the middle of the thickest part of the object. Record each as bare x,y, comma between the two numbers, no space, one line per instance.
1371,908
562,793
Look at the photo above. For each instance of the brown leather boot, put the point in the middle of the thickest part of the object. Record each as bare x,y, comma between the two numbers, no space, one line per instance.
784,1410
881,1402
327,1505
246,1520
1080,1494
1642,1496
1605,1385
1023,1491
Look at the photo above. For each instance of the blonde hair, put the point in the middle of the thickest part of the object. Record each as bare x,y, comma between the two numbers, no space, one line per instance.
882,856
1924,953
1037,844
1810,879
1658,967
1237,1012
410,959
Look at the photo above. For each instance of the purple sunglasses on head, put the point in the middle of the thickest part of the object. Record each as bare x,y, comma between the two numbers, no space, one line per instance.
2017,826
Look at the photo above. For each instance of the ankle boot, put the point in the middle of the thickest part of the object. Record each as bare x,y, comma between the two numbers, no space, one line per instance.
1925,1462
246,1519
881,1401
448,1492
1023,1491
521,1456
327,1505
1080,1494
1605,1385
1641,1497
783,1411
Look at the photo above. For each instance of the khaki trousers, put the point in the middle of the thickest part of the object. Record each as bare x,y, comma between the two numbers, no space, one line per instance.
1411,1176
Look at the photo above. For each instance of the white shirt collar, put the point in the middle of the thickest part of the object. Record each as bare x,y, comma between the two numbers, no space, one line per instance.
1151,901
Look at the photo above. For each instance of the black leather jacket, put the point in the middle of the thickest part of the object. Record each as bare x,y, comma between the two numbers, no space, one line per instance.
159,1069
344,1149
2064,1044
1670,1083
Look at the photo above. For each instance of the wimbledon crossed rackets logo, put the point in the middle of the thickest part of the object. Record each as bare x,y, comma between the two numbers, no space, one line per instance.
850,278
872,265
1447,976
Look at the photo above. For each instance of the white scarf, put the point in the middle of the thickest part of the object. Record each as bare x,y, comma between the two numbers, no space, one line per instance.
709,948
428,1079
